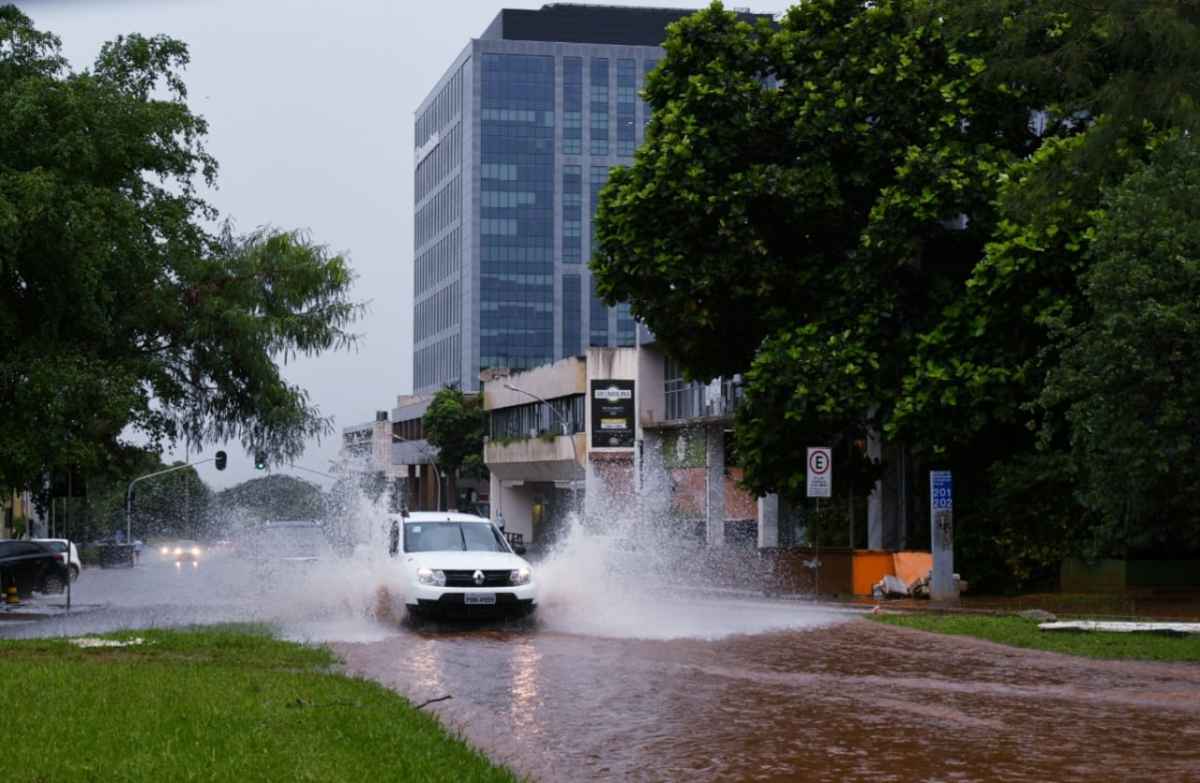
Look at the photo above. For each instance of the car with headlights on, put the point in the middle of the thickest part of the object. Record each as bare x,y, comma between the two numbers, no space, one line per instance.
182,552
458,565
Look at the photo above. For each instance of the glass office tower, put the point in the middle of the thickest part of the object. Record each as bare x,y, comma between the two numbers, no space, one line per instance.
512,147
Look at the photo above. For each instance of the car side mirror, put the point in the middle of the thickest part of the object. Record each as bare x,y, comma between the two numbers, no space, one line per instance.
519,549
394,539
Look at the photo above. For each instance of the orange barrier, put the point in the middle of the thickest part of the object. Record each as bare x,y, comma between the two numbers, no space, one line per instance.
869,566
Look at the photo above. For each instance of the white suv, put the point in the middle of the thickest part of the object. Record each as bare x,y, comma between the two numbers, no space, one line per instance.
453,564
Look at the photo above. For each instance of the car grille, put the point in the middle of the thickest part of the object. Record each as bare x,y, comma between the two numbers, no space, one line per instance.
467,578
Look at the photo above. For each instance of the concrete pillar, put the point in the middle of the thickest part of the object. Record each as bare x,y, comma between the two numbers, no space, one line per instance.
714,507
875,499
768,522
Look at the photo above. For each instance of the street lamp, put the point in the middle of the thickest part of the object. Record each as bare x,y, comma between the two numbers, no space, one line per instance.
566,431
129,490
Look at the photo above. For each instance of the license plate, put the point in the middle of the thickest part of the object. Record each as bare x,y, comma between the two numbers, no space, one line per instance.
479,599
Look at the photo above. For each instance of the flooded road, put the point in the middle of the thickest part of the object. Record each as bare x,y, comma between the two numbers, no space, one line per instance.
634,684
849,701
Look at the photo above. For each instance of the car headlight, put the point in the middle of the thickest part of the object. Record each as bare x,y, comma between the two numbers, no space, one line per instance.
519,576
195,550
166,550
179,550
428,576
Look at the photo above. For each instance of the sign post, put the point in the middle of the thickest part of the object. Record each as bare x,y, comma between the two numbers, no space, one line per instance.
942,586
819,471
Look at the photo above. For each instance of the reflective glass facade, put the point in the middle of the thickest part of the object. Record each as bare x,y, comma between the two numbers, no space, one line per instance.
626,107
572,315
512,149
572,129
572,213
437,237
598,124
516,211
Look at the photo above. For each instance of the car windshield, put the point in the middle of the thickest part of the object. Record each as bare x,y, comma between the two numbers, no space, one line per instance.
452,537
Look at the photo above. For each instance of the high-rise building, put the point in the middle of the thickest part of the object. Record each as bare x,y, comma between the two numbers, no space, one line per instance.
512,147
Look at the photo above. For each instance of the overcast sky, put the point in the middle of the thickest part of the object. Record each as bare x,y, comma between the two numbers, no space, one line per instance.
310,110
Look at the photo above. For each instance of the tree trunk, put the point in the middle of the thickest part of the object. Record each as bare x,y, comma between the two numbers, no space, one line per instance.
452,490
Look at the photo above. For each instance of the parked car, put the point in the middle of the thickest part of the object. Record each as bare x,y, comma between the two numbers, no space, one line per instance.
59,545
457,565
31,567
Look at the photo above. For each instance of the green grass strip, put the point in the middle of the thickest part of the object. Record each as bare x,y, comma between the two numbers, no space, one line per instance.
1019,632
213,704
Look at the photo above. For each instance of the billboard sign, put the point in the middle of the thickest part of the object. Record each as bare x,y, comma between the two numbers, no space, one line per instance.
612,414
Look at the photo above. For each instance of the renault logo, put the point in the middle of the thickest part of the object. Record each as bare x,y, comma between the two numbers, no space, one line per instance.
478,577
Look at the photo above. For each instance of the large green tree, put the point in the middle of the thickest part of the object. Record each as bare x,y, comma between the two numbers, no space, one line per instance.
121,310
454,423
272,498
810,195
879,213
1129,377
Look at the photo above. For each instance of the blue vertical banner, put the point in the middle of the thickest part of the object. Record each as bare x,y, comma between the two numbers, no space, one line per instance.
943,586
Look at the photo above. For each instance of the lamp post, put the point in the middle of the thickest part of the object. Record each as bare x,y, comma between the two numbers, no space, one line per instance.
566,431
129,492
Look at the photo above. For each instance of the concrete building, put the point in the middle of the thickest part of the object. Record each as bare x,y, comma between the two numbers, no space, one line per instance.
617,433
393,449
513,145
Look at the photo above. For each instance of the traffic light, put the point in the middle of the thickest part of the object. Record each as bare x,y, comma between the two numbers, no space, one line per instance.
260,460
220,460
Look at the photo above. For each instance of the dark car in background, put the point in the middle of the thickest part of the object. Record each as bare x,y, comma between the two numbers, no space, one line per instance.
31,567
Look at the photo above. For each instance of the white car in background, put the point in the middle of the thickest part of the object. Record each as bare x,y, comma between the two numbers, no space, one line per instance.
59,547
457,565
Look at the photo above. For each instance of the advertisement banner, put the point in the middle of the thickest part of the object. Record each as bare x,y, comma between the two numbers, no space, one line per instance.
612,414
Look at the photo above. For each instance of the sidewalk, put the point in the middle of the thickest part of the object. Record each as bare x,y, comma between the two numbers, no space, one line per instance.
42,608
1181,606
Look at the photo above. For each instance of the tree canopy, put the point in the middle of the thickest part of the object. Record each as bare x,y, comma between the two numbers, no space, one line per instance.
123,312
272,498
883,215
454,423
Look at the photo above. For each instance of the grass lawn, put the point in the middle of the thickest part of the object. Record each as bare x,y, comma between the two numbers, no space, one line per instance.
226,703
1020,632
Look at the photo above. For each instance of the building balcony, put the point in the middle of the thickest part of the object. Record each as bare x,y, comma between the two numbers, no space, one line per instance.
541,458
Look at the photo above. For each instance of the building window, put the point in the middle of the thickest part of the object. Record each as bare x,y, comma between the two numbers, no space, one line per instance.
683,399
572,315
598,331
572,105
598,124
626,108
536,418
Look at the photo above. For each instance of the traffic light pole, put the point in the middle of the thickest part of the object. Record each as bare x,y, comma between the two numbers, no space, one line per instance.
129,492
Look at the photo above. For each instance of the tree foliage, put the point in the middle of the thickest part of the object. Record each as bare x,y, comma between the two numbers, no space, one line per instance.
884,215
454,423
1128,377
272,498
120,309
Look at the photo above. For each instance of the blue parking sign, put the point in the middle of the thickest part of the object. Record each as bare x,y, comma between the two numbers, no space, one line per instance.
941,488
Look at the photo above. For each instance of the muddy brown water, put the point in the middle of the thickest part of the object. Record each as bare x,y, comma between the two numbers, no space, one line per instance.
853,701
